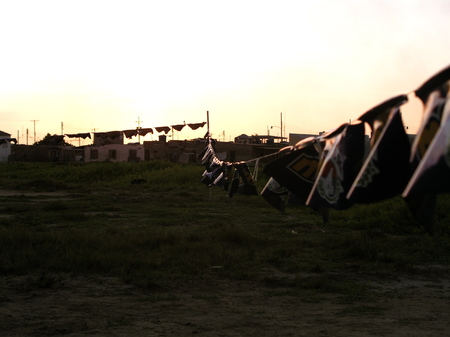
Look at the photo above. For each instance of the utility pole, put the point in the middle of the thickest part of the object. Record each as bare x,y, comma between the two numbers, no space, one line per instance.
62,128
281,126
207,122
27,136
139,128
34,127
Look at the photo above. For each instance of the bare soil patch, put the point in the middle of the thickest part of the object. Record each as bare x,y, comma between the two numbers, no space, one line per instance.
415,303
64,305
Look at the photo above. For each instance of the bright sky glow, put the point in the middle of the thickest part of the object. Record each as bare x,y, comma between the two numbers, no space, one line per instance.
103,64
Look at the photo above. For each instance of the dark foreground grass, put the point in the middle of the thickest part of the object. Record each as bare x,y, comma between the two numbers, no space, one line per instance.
93,220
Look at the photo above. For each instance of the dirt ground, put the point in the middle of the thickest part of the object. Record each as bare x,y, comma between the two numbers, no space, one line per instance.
99,306
414,304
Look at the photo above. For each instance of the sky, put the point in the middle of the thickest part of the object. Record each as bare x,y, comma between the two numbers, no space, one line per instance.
84,66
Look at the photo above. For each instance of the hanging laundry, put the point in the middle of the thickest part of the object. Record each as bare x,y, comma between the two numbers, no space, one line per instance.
431,147
340,166
130,133
178,127
195,126
143,132
114,134
296,170
102,135
275,194
386,170
419,198
164,129
246,183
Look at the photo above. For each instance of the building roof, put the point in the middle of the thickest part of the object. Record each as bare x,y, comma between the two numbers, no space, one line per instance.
4,134
244,136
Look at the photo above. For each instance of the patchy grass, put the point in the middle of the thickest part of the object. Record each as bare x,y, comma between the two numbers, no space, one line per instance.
174,228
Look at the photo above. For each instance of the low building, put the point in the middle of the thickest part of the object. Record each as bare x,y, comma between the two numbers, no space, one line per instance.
5,146
174,151
294,138
258,139
46,153
114,153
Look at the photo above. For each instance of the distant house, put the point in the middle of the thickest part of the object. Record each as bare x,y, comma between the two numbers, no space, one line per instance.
181,151
294,138
114,153
258,139
46,153
5,146
174,151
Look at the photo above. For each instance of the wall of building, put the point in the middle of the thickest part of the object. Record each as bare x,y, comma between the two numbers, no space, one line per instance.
174,151
234,152
5,147
44,153
5,151
114,153
294,138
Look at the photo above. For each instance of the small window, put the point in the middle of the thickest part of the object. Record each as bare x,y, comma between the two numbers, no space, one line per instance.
94,154
54,155
112,154
132,154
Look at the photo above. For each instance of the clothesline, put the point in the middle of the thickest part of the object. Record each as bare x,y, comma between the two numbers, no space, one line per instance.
137,131
263,157
209,158
334,170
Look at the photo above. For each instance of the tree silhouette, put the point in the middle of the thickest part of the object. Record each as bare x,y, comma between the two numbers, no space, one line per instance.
56,140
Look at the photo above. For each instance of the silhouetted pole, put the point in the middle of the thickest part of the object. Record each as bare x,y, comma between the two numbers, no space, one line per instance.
34,126
138,129
281,126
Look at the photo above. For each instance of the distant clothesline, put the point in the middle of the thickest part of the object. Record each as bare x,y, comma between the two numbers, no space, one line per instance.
136,132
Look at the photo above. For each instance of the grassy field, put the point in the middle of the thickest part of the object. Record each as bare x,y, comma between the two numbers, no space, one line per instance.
83,219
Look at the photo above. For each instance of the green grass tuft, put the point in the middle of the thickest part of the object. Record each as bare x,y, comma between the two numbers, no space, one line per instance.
91,219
